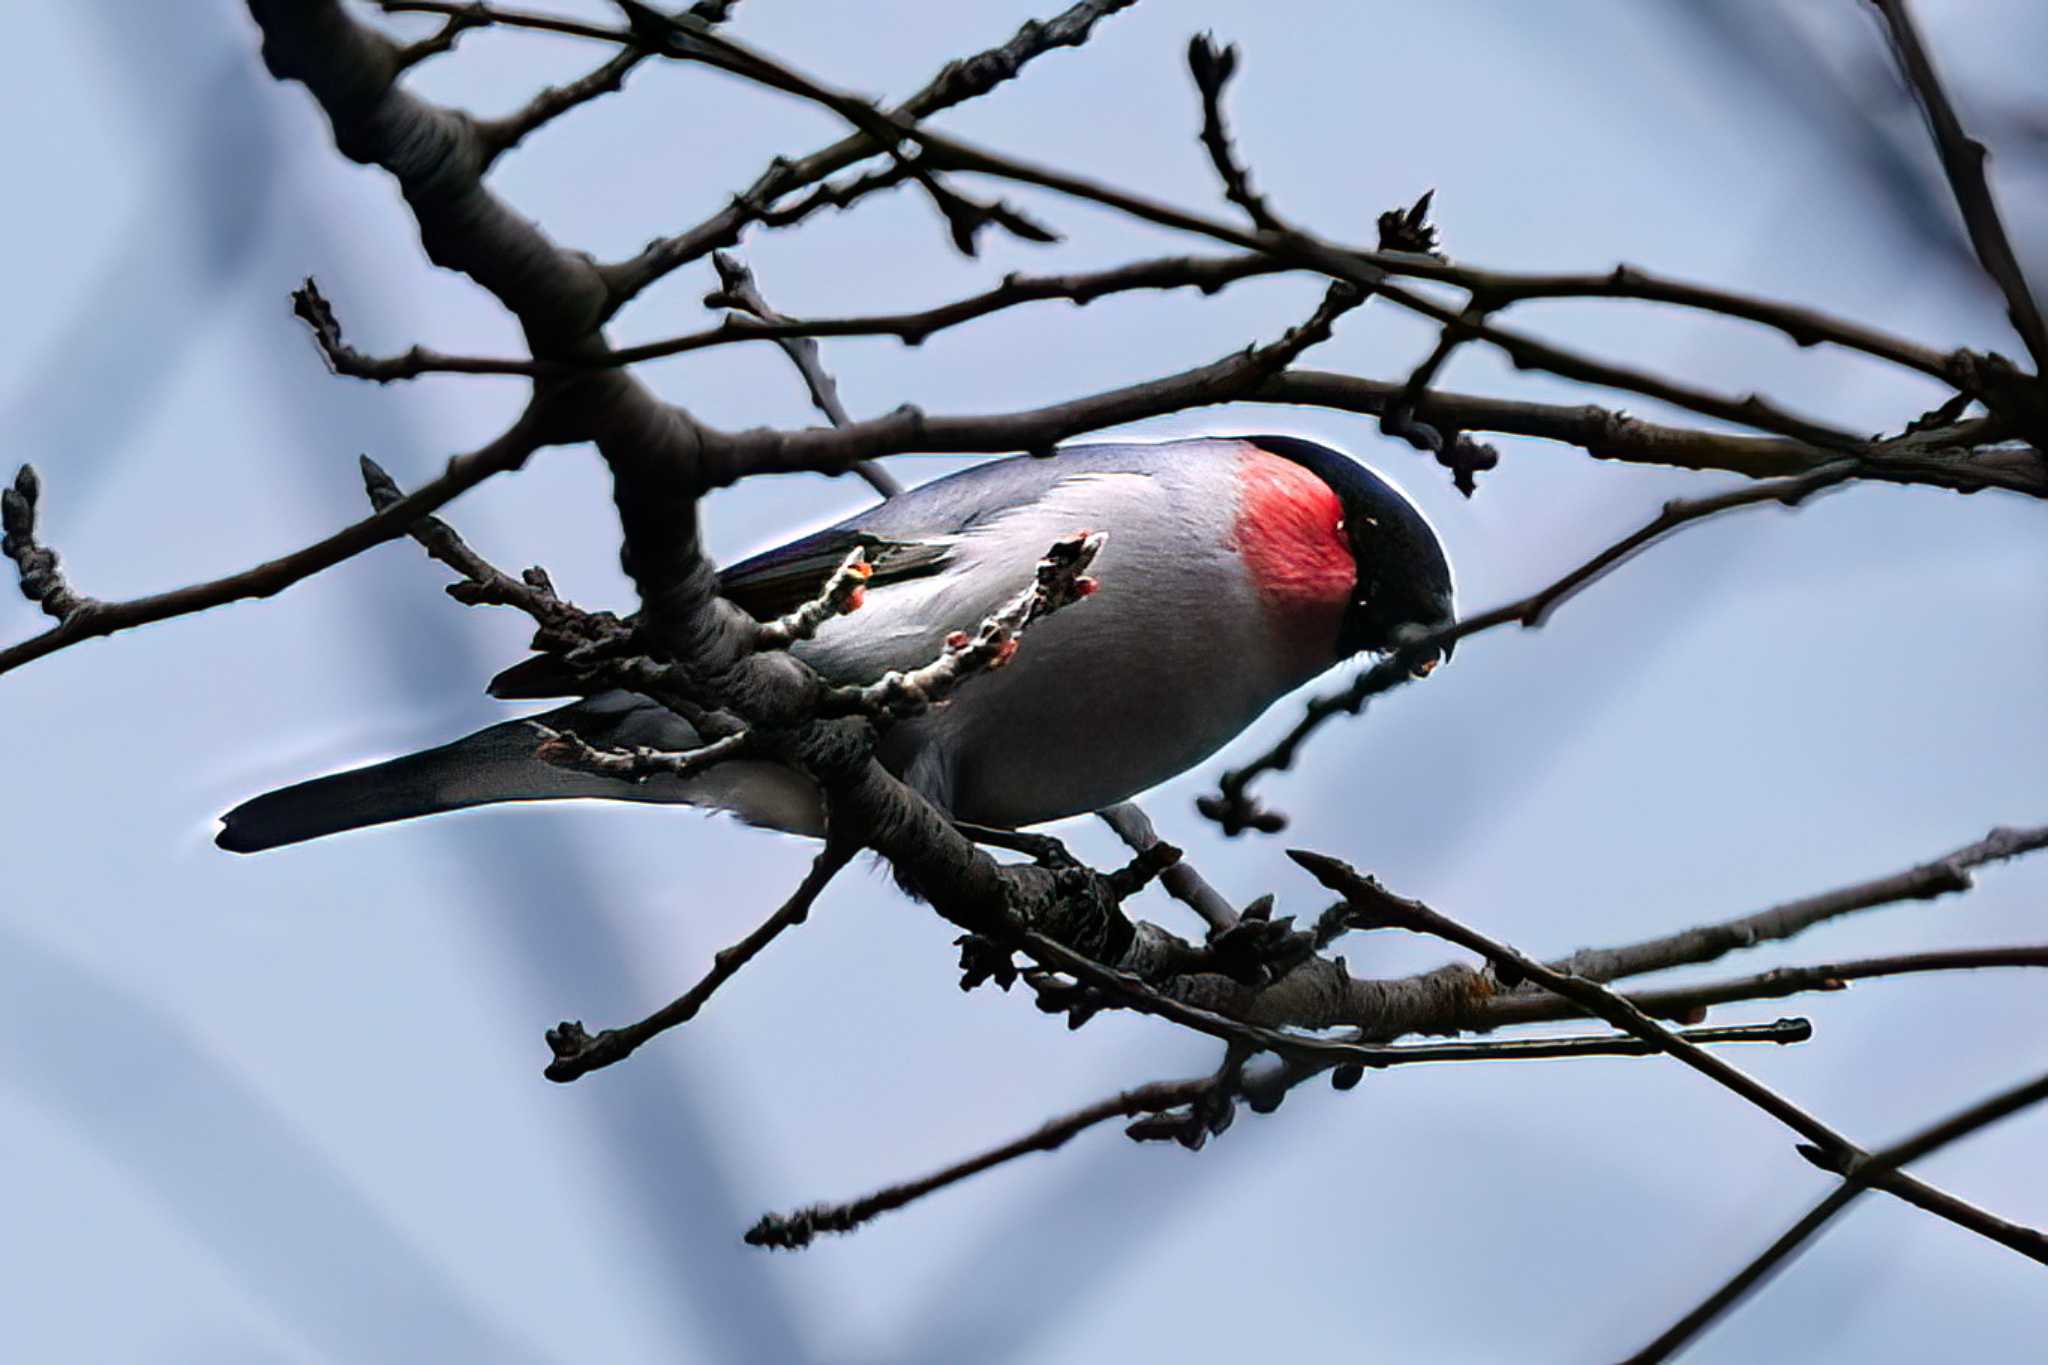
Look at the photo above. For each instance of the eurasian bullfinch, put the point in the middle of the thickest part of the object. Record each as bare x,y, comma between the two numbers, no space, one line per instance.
1235,570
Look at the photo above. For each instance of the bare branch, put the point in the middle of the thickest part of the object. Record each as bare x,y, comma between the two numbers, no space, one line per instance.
1232,806
840,596
1962,159
577,1052
1689,1004
1181,880
1373,904
310,306
460,20
1937,877
91,619
1060,581
637,762
1212,68
959,81
793,1231
42,578
739,291
1754,1275
1945,458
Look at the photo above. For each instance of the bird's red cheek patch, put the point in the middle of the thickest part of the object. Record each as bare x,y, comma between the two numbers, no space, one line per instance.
1290,531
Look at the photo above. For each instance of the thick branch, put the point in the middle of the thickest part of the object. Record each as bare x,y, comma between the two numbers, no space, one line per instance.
438,158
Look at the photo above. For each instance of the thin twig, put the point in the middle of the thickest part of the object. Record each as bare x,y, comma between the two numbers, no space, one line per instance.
739,290
1774,1258
637,762
1374,904
1233,807
577,1052
1962,160
1690,1003
1060,581
463,472
1940,876
959,81
1181,880
794,1231
1212,68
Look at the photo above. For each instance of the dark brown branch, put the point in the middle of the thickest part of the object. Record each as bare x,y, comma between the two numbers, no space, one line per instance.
1937,877
794,1231
1342,264
1774,1258
1944,458
92,619
1689,1003
1180,880
310,306
1208,274
1962,160
437,157
959,81
1212,68
1233,807
42,577
578,1053
739,291
731,455
510,18
459,21
1373,904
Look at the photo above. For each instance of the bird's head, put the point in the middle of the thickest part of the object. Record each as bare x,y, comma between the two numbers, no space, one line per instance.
1402,579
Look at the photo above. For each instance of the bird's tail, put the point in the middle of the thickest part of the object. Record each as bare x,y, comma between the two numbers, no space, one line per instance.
499,764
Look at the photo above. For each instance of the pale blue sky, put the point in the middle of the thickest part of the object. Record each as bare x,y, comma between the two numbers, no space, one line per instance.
290,1107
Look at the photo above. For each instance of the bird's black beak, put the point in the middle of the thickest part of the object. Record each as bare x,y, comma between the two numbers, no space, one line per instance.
1430,662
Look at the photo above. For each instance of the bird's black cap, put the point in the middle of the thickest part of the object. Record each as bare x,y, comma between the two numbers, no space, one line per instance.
1403,577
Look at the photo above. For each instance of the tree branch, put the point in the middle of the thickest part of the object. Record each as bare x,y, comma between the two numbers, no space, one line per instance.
88,619
1180,880
577,1053
1373,904
959,81
1233,807
738,291
1962,159
1754,1275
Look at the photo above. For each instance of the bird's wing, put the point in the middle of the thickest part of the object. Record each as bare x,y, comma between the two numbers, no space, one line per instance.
784,578
765,587
911,536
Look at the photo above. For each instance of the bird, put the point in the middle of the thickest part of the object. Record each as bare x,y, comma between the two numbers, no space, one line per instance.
1233,570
